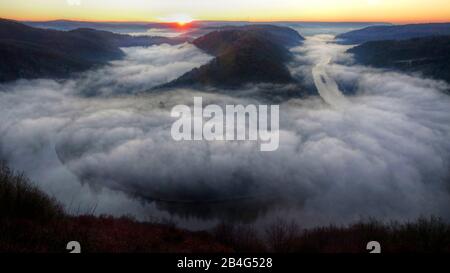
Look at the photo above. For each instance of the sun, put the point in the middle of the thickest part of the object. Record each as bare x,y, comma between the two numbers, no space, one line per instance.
180,19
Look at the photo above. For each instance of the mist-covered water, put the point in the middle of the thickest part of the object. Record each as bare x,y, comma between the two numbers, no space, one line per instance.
102,140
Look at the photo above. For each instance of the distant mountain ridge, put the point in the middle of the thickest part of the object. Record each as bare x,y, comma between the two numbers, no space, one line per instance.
284,36
244,54
120,27
28,52
124,40
396,32
428,55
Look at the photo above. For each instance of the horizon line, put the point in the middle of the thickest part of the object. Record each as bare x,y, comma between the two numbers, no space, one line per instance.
244,21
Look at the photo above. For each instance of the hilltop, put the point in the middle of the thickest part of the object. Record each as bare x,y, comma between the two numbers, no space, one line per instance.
429,55
28,52
396,32
246,54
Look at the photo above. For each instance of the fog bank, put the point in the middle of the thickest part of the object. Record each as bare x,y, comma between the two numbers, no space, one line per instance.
97,141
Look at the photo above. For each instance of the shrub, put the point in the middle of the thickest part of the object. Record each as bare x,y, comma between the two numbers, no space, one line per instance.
20,199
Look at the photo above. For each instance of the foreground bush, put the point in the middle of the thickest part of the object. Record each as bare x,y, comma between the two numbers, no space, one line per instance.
19,199
30,221
422,236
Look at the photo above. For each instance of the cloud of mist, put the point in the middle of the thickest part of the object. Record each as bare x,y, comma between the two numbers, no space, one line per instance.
386,156
142,69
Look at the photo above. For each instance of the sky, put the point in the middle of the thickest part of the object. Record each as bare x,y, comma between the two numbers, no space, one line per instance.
398,11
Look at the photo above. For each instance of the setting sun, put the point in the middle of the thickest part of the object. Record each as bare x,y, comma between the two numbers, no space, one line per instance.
180,19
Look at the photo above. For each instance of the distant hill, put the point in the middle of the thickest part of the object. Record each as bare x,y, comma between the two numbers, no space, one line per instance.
27,52
400,32
246,54
124,40
428,55
120,27
283,36
71,25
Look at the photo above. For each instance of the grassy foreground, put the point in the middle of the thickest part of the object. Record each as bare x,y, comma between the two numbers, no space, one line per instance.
30,221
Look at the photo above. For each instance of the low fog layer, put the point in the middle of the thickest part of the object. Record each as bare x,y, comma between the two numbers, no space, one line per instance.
96,141
141,69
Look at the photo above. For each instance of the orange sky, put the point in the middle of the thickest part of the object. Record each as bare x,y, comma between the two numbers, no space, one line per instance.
395,11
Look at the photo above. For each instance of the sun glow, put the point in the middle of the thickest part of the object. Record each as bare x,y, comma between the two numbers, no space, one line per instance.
180,19
181,13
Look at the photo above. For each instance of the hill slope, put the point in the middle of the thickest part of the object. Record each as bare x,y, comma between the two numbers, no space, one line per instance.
32,222
401,32
429,55
249,54
28,52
